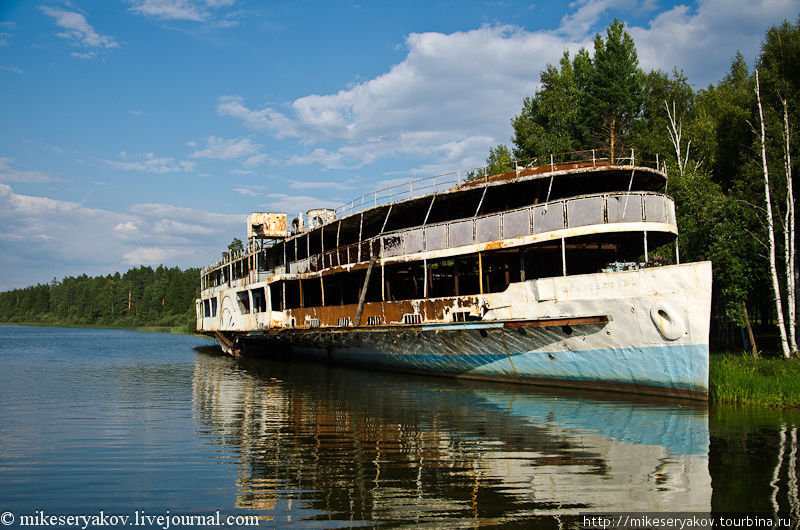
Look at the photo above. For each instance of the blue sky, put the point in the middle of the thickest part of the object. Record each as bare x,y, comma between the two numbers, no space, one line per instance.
143,131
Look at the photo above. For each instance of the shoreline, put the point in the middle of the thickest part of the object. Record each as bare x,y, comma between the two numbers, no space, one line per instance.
179,330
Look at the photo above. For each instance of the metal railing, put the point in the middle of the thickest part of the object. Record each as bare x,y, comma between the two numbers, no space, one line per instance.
541,165
586,210
527,166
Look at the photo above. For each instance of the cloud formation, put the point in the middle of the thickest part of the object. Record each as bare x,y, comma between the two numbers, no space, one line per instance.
150,163
452,95
221,148
191,10
79,32
9,174
87,238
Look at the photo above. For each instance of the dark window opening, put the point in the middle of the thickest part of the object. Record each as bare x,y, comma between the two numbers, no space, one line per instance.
404,281
312,292
243,298
500,270
276,295
292,294
259,300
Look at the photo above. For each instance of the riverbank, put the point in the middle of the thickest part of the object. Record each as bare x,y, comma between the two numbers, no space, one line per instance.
743,379
182,329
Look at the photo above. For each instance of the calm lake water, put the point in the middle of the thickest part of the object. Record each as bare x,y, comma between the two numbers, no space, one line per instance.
125,421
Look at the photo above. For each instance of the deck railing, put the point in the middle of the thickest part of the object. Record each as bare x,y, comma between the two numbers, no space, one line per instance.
540,164
587,210
446,181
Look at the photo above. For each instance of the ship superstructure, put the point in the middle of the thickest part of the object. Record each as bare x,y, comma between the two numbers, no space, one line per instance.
542,274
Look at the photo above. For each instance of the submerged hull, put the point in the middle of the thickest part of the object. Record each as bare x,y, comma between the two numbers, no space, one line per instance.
643,331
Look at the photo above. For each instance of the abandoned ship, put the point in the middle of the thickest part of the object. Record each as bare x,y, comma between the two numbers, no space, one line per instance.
541,275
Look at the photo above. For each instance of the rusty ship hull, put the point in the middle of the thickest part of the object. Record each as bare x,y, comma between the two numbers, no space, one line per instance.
556,290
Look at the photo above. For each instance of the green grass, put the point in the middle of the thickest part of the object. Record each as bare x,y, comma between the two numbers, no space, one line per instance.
742,379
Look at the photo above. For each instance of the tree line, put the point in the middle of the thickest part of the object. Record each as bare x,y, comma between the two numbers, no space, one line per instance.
143,296
710,142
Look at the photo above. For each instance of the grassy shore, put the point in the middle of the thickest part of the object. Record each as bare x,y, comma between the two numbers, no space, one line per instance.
740,378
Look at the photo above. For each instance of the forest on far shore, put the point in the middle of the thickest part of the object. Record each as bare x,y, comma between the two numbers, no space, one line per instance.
143,296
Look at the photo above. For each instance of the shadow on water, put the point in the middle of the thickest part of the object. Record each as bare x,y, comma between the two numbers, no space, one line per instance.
399,449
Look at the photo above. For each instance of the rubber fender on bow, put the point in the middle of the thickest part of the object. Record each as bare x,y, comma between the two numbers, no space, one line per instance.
667,321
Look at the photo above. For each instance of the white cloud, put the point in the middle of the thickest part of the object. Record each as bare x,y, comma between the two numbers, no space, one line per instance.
225,149
451,91
142,233
9,174
191,10
702,41
149,255
329,185
291,204
150,163
250,191
452,95
319,156
79,32
266,118
256,160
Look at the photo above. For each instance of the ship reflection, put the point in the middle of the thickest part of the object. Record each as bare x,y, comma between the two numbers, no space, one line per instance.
331,444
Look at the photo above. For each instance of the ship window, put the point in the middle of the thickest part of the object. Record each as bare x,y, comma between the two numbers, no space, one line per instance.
243,298
312,293
441,278
292,294
465,271
276,295
302,247
404,281
213,307
499,271
259,300
206,308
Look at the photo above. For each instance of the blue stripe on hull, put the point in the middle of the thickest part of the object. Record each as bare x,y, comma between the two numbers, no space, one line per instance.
682,367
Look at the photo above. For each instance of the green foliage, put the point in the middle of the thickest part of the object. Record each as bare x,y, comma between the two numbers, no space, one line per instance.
548,121
235,246
612,98
499,160
744,379
143,296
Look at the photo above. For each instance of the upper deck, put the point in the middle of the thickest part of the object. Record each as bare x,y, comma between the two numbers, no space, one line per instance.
548,198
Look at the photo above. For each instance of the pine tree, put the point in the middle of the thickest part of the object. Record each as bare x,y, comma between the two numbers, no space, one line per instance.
614,90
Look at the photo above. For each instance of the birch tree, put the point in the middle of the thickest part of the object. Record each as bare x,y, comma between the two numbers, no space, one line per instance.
675,130
773,269
789,232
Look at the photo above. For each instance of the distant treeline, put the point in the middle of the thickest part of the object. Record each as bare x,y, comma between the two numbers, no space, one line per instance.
143,296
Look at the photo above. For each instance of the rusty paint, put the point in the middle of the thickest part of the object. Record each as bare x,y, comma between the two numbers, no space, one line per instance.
544,322
263,225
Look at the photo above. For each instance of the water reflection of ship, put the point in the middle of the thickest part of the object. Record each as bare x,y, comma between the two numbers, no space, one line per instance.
366,446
